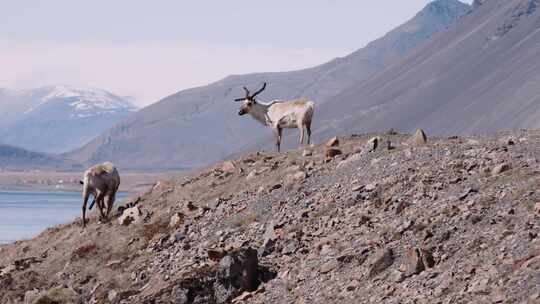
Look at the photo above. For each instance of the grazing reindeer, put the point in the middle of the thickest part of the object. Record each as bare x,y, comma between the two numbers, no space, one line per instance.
100,181
278,115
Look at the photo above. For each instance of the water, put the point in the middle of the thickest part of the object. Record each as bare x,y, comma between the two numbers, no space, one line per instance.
24,215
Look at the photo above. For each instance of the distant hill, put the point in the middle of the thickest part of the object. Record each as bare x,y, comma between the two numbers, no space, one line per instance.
18,159
56,119
197,126
481,75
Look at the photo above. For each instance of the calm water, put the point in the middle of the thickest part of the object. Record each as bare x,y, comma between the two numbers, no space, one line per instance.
25,214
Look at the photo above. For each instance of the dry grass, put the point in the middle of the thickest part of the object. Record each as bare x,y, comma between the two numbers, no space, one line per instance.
84,251
149,231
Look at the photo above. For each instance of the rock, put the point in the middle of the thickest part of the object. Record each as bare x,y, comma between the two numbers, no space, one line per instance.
58,295
228,166
537,208
372,144
419,138
333,142
112,295
370,187
190,207
500,169
179,295
253,174
291,247
176,220
329,266
216,255
269,241
353,285
350,159
382,259
162,186
130,215
412,263
30,296
332,152
179,236
307,153
466,193
397,276
237,272
295,177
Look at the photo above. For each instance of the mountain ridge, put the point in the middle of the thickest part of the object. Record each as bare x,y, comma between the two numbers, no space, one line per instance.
476,77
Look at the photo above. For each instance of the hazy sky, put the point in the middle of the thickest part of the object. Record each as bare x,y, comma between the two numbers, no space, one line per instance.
150,49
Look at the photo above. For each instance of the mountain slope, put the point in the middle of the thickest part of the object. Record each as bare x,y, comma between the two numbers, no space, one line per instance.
452,221
58,118
173,132
479,76
18,159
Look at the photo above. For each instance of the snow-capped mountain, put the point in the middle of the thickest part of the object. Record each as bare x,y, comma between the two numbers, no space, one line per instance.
56,119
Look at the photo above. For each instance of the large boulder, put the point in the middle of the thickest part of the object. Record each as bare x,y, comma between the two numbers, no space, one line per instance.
419,138
382,259
333,142
130,215
237,272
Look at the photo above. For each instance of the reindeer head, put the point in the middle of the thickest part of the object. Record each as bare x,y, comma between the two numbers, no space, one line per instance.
249,100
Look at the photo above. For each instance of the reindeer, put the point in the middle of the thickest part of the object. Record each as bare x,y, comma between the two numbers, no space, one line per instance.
296,113
101,181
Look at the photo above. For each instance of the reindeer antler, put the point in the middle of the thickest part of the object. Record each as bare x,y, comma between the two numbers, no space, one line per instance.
248,97
259,91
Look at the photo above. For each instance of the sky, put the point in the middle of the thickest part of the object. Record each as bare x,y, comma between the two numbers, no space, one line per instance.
150,49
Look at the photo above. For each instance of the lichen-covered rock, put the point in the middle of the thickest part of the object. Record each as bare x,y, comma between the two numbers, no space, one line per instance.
130,215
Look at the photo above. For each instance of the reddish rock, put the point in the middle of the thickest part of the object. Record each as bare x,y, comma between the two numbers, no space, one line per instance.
332,152
333,142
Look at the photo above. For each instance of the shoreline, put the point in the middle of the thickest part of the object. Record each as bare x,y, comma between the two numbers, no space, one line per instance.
53,181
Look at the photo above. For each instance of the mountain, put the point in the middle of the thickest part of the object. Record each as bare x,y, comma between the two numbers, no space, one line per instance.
172,132
56,119
478,76
17,159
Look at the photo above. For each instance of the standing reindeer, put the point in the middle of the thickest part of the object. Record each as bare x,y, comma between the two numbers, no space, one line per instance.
296,113
101,181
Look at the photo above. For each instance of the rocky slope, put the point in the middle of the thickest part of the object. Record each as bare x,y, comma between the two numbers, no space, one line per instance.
479,76
57,119
453,220
172,132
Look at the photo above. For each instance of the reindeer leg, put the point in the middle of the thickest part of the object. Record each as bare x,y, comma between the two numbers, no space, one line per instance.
110,201
86,195
301,129
100,202
277,131
308,128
